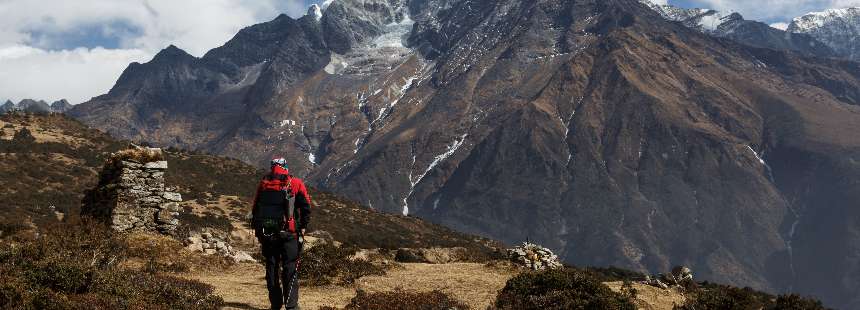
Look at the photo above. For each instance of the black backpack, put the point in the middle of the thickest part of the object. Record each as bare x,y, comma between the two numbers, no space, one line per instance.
270,216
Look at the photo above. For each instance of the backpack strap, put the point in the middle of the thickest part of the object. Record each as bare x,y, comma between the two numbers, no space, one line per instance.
291,199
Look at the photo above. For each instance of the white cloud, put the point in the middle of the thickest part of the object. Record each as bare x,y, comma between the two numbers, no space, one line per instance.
76,75
30,69
662,2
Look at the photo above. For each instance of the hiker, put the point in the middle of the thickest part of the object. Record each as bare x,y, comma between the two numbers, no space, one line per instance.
281,212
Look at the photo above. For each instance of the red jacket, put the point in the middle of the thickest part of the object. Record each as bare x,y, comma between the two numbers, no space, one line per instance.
297,189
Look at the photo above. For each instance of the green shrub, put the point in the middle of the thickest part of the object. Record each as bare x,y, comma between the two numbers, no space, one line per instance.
403,300
559,289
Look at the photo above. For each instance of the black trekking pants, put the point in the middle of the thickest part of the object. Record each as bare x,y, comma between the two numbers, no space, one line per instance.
282,279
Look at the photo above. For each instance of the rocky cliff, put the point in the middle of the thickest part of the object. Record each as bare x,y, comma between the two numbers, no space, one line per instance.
597,128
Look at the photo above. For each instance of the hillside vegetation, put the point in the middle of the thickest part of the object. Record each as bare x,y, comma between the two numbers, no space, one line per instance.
50,258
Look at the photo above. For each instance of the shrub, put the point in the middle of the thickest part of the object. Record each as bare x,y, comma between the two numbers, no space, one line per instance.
403,300
327,264
77,266
713,296
138,154
795,302
559,289
190,222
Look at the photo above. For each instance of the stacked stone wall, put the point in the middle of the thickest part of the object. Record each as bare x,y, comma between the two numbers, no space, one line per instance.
132,197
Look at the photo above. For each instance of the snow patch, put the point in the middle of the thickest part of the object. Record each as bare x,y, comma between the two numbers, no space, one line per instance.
312,158
326,3
436,161
315,11
336,64
711,22
756,155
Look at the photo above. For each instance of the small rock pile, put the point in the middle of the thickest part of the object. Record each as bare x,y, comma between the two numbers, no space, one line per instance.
680,276
131,195
210,243
534,256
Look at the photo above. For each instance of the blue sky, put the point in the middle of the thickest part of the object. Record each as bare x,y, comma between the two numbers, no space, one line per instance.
53,49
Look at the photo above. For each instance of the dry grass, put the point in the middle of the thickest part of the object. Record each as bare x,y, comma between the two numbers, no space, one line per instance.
138,154
243,286
652,298
475,284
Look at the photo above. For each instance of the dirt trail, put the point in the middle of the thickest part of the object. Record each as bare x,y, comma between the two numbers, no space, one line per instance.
243,286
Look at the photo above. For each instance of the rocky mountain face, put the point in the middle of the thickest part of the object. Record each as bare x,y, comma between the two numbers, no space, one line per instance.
61,106
838,28
8,106
597,128
733,26
33,106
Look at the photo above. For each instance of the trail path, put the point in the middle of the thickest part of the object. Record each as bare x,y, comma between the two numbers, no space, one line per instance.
243,286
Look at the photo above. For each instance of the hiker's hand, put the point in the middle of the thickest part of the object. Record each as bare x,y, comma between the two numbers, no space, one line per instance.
303,231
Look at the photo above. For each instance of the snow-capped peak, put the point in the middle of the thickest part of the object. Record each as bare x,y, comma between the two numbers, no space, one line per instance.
814,20
326,3
315,11
836,28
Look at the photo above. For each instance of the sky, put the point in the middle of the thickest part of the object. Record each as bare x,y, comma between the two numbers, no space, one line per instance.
55,49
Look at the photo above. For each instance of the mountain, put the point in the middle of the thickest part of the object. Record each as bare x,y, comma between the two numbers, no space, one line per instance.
33,106
61,106
30,105
838,28
597,128
8,106
733,26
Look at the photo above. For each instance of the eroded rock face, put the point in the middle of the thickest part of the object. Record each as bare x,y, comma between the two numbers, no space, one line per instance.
131,196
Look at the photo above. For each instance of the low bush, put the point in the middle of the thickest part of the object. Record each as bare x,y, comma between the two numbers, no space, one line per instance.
79,266
327,264
403,300
560,289
713,296
190,222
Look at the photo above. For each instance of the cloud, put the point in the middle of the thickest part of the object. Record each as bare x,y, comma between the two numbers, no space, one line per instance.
769,10
77,74
52,49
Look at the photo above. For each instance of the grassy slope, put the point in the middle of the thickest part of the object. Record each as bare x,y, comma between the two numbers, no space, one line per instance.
63,158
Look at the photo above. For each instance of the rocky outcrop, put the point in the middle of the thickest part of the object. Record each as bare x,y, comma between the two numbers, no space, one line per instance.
533,256
131,195
680,277
212,242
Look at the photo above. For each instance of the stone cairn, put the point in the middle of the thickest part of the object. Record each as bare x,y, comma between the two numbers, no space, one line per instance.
131,195
533,256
